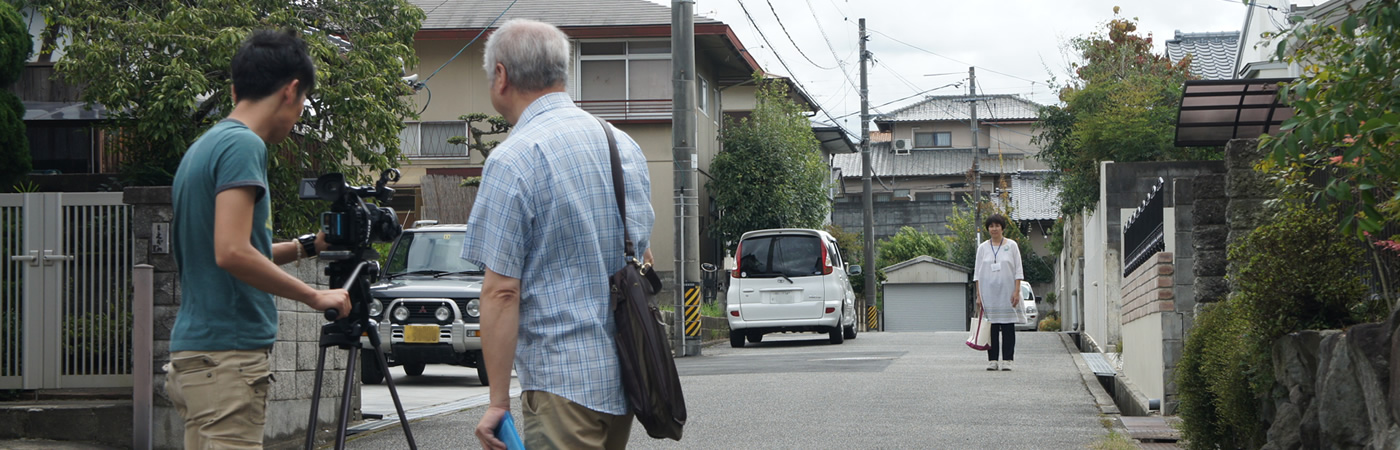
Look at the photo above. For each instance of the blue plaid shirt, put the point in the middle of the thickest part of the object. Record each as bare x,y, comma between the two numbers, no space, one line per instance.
546,215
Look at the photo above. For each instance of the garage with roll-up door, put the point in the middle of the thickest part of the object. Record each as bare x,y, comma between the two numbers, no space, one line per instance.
926,294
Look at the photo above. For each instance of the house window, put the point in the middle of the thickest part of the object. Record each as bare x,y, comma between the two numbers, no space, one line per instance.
702,94
938,139
882,197
635,70
902,194
429,139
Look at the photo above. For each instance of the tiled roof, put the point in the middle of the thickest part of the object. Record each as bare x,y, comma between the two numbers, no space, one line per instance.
457,14
884,163
954,107
1212,54
1032,198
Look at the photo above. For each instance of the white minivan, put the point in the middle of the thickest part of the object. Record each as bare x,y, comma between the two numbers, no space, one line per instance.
790,280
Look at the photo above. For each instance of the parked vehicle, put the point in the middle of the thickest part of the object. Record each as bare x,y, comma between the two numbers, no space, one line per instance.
1029,307
790,280
428,304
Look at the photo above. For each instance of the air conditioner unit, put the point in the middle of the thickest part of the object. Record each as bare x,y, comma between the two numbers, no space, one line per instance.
902,146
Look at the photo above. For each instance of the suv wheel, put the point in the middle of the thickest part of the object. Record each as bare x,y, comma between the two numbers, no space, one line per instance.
850,332
414,369
755,337
836,334
481,369
736,338
369,368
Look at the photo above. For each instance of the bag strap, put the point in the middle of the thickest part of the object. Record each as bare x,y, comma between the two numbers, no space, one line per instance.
618,190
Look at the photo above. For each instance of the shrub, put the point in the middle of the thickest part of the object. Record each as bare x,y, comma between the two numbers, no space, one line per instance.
1049,324
1218,408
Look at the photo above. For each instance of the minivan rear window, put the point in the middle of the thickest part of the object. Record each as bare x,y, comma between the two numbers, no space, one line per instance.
782,255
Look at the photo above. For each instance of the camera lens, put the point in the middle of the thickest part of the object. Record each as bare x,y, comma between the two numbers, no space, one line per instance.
474,307
401,314
375,308
442,314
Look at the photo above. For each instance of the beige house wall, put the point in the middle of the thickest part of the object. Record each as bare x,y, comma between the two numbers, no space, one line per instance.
1000,139
461,88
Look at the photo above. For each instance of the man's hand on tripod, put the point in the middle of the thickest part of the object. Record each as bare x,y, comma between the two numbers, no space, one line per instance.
331,298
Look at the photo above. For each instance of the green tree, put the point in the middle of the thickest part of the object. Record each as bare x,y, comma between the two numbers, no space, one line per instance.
1345,121
962,244
15,46
770,174
907,244
497,124
161,69
1120,105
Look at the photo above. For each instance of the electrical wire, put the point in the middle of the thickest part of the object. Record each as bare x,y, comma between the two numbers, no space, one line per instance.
794,41
785,66
892,38
430,99
839,61
905,98
469,43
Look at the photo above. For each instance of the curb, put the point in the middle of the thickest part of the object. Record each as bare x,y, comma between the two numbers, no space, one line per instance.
1091,382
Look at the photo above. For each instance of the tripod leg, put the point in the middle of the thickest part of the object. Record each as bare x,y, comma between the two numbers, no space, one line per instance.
398,406
344,418
315,401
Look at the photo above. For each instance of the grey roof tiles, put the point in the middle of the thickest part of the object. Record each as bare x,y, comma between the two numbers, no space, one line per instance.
1212,54
954,107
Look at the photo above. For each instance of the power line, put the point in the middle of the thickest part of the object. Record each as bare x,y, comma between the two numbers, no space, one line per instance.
906,98
892,38
839,61
784,63
469,43
790,39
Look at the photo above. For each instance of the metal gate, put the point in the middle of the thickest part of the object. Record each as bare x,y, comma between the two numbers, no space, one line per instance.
65,301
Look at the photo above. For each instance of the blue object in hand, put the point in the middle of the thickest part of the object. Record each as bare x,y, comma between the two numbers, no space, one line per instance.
506,433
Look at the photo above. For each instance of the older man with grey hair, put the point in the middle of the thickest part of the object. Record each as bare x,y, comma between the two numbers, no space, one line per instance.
546,228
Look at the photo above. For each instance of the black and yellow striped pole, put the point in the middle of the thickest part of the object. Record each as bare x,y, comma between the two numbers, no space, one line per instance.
872,319
692,311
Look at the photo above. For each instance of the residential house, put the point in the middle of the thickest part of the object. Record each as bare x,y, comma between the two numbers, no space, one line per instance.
1212,54
921,170
621,71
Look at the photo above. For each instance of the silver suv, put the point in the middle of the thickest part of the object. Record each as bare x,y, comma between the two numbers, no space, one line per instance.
428,304
790,280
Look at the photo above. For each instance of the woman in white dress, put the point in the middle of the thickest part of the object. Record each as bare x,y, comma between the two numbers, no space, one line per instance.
998,277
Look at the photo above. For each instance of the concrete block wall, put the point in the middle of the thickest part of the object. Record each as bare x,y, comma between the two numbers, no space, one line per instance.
293,355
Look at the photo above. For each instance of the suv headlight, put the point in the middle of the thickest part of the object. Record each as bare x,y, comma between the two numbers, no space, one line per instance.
401,314
474,307
375,308
442,314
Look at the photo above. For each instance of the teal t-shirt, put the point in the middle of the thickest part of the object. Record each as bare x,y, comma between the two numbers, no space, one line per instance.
218,312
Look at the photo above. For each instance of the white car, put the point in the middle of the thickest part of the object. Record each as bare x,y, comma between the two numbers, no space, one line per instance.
790,280
1029,307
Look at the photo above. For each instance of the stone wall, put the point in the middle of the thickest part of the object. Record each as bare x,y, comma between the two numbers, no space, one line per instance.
929,217
293,355
1336,389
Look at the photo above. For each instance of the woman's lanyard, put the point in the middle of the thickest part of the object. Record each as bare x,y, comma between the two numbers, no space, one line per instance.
996,264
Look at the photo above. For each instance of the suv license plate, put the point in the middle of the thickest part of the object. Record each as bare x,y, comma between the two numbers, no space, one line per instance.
420,334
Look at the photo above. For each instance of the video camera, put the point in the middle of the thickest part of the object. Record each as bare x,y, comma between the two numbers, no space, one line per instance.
352,224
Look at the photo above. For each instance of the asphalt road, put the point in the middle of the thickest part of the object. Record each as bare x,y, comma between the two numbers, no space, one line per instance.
882,390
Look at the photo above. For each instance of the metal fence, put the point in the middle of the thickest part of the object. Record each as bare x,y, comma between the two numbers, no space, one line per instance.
1143,235
66,293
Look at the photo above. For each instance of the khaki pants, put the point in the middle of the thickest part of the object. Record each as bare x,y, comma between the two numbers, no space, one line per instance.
554,422
222,396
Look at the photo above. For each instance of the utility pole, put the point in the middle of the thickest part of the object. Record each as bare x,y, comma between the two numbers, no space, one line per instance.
976,154
683,137
867,198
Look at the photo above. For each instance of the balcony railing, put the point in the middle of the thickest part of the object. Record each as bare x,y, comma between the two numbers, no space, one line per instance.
659,109
1144,234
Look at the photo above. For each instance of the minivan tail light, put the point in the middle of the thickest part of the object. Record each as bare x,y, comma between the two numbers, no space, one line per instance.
739,251
826,261
830,310
734,313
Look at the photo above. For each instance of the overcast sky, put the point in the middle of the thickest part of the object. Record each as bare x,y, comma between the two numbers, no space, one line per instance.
1016,45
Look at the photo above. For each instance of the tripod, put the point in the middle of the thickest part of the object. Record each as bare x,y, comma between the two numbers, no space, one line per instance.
345,333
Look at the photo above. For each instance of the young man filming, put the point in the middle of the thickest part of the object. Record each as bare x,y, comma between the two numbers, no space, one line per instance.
219,373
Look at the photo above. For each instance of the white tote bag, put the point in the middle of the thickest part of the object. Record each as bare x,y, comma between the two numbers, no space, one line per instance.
979,336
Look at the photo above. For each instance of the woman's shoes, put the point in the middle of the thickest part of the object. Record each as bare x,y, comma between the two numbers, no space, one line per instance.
992,365
1005,365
